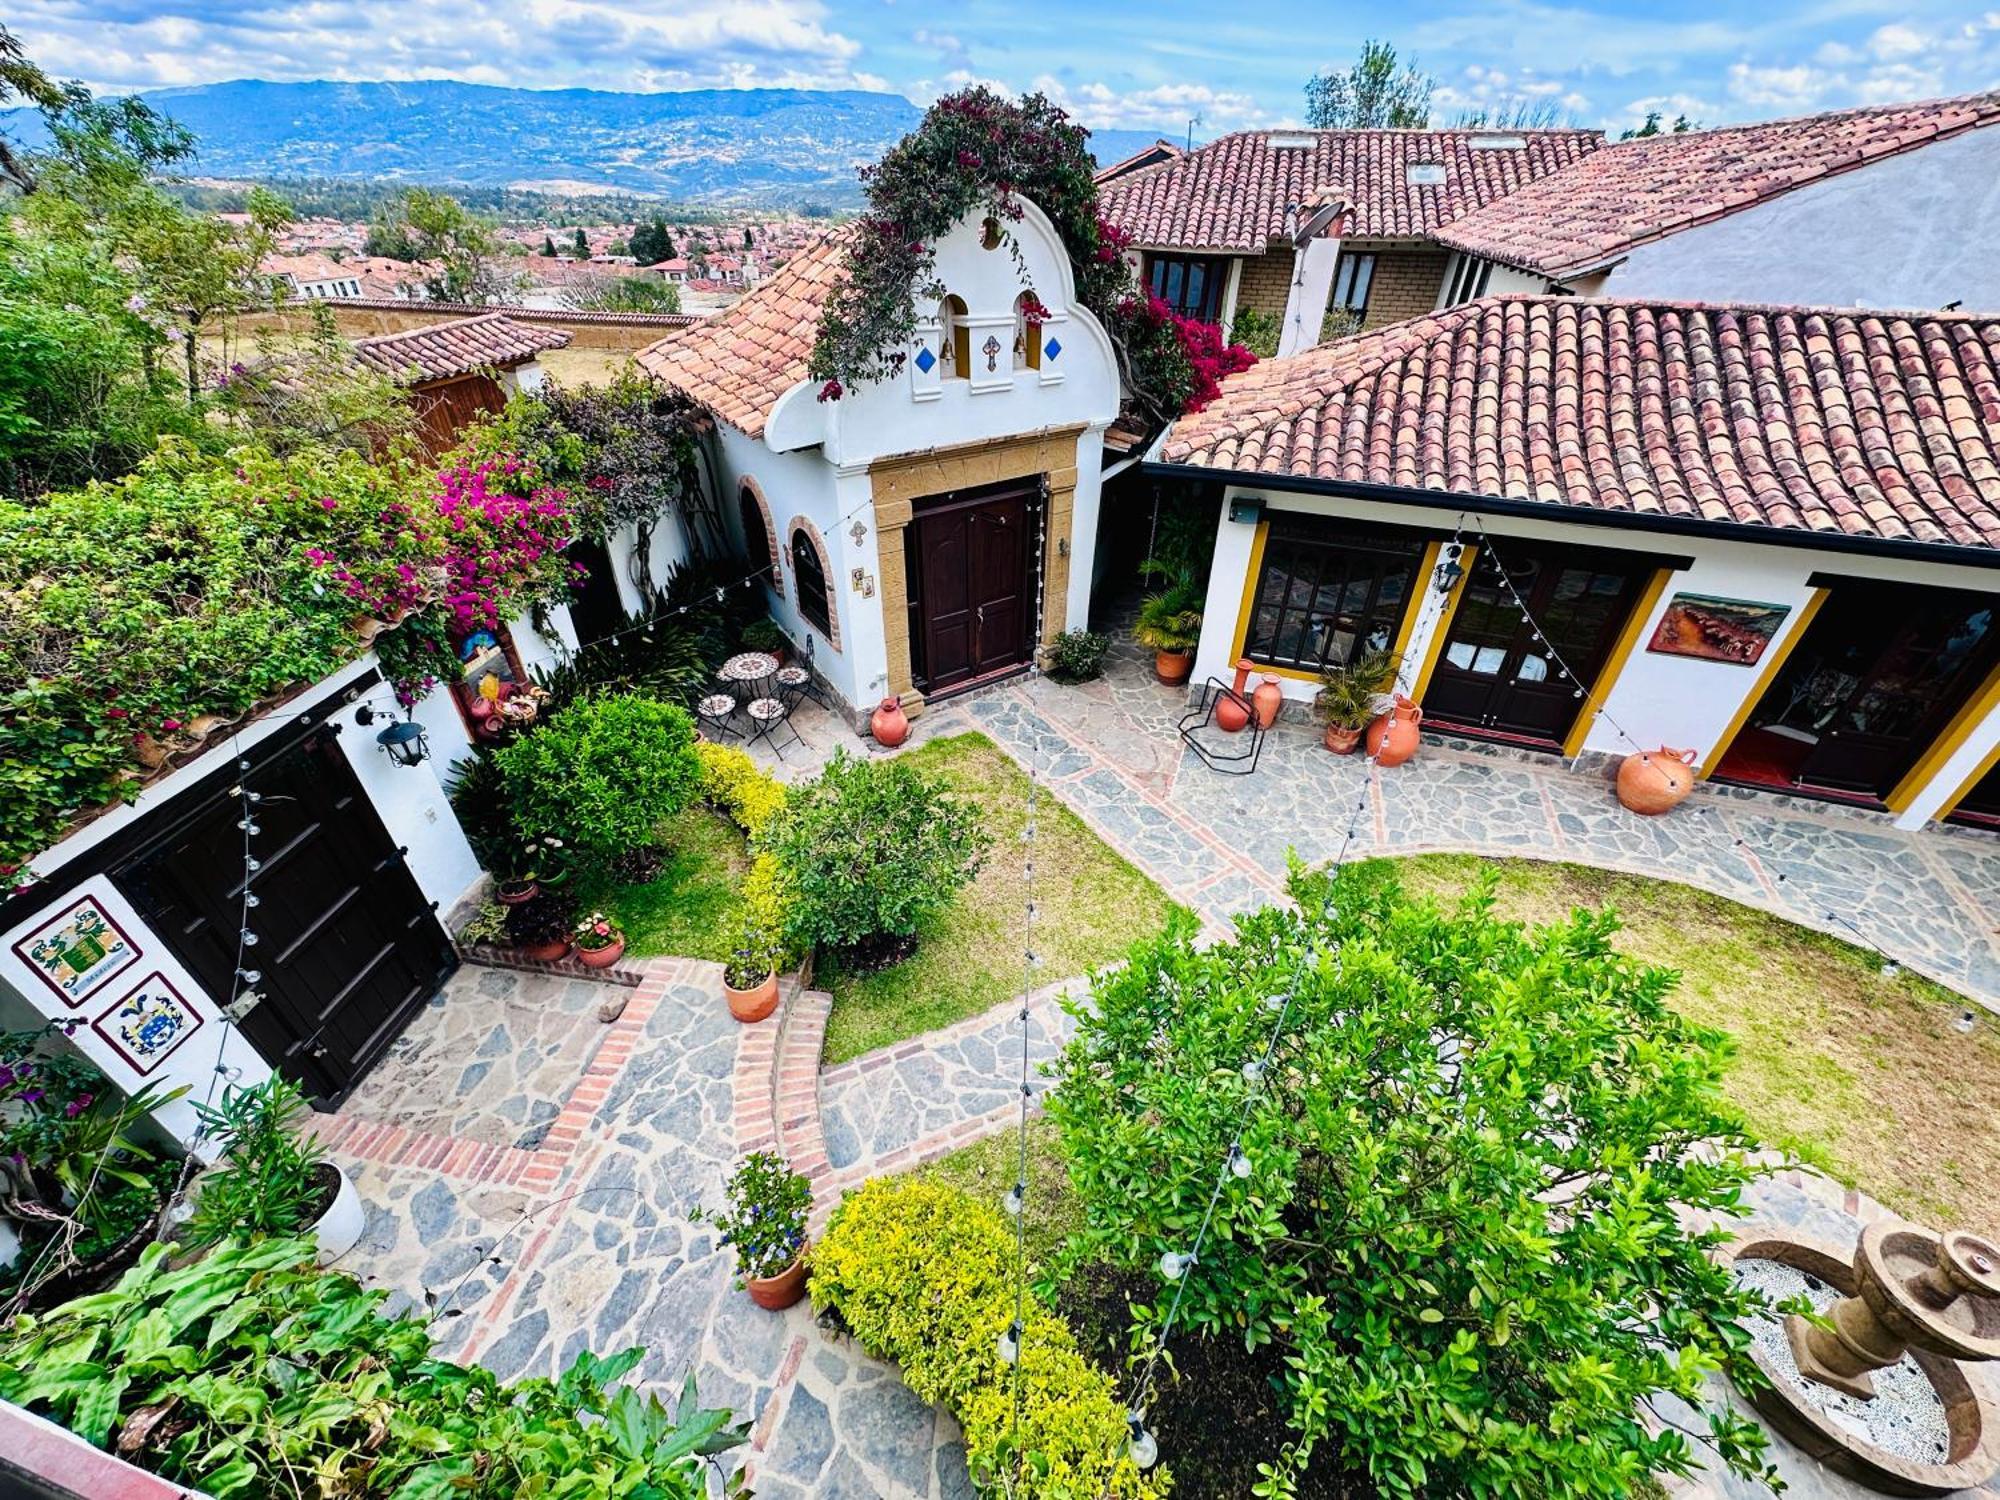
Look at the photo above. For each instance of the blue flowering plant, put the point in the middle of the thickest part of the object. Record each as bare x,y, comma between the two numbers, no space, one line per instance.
764,1215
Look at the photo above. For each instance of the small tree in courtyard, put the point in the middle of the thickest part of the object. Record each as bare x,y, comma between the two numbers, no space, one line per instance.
1469,1155
603,774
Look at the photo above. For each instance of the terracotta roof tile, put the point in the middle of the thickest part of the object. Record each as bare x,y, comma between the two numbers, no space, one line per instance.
1636,191
1238,193
442,351
739,362
1828,420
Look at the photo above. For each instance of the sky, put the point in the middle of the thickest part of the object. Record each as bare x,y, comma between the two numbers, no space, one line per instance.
1224,66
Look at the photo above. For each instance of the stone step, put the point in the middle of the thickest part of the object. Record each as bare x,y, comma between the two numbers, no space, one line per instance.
795,1093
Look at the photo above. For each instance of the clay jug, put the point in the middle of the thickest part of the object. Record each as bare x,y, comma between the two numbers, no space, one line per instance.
1232,709
1268,699
889,724
1393,737
1655,781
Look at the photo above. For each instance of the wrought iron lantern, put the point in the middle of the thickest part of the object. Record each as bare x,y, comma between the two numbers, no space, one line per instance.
405,743
1449,569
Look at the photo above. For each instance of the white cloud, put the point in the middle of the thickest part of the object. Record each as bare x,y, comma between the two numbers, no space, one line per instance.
136,44
1799,87
1167,106
1895,41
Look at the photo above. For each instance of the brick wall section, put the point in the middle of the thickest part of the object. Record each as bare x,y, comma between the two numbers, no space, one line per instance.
1266,281
1406,285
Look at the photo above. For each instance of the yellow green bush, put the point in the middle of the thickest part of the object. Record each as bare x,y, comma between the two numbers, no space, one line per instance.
923,1274
734,783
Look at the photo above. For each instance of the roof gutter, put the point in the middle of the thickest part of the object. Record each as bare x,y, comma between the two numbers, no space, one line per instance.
1615,520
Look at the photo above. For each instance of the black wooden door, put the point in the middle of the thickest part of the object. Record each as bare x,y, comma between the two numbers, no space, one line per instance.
1501,671
348,947
970,590
1879,671
593,607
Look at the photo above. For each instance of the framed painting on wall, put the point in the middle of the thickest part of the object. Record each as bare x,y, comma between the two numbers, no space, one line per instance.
78,952
1728,630
148,1023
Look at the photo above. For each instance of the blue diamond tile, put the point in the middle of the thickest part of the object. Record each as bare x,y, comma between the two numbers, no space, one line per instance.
1052,348
926,359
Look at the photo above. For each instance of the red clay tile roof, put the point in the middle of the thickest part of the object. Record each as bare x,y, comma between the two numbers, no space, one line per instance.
1235,193
739,362
1636,191
1828,420
442,351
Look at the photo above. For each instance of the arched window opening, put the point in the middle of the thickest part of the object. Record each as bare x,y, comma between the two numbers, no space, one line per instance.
989,234
756,532
1028,312
952,314
815,604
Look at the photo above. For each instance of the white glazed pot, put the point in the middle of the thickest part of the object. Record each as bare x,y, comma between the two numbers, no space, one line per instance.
340,1226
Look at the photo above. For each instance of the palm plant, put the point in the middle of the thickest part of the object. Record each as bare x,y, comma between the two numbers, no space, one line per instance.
1170,619
1351,694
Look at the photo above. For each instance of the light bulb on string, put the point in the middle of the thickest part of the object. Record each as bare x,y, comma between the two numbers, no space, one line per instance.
1276,1003
1253,1070
1008,1346
1142,1449
1966,1021
250,976
1015,1200
1239,1162
1890,968
1174,1265
249,938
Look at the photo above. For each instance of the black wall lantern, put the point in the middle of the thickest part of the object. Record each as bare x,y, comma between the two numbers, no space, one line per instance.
404,741
1449,569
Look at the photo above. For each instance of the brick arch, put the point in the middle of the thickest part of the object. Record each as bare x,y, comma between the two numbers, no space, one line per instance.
748,485
793,528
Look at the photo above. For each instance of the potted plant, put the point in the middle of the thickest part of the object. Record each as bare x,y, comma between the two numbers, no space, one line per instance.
750,978
1170,624
1351,695
539,927
539,862
71,1169
273,1179
485,928
764,1220
600,942
763,634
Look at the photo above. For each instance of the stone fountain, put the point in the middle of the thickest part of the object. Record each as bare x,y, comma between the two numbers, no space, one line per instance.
1888,1391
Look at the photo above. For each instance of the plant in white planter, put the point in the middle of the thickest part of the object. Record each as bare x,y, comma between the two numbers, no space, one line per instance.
272,1179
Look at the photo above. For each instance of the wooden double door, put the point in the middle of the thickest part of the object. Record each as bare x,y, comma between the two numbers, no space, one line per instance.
348,946
1521,674
971,559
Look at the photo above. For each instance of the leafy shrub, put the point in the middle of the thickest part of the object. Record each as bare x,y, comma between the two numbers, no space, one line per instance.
766,898
763,634
545,917
738,787
1349,696
1077,655
603,774
871,848
273,1178
763,1217
1255,331
654,655
924,1275
252,1372
1170,619
1469,1153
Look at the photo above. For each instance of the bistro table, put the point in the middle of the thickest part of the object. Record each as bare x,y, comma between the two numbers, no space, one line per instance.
754,669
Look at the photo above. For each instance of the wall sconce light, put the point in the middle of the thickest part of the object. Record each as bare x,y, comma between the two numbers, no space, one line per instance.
1449,569
405,743
1247,509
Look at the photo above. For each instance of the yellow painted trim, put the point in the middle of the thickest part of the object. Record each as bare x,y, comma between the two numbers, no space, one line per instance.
1979,774
1250,578
1774,659
1413,606
1434,647
1621,652
1971,714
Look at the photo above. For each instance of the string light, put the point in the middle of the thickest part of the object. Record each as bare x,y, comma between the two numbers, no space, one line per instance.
1009,1344
1141,1447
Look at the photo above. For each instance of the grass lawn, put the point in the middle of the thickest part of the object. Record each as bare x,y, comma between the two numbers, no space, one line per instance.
1092,906
1863,1076
692,908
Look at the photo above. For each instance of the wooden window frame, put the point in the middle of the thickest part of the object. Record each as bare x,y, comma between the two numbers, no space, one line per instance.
1215,272
1296,538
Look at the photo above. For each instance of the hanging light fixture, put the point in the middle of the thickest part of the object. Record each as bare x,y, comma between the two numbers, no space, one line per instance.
1449,569
405,743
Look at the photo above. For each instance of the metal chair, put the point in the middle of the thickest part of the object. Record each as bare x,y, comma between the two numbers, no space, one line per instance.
767,716
718,711
801,687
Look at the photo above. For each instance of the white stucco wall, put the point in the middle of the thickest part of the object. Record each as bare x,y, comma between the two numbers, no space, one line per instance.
1911,231
1681,702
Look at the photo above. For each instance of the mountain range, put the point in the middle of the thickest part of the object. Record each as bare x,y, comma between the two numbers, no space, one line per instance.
778,146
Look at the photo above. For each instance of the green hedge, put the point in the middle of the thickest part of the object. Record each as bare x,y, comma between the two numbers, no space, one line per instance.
924,1275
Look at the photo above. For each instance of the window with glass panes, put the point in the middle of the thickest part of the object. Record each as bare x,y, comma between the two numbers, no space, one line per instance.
1191,287
1328,590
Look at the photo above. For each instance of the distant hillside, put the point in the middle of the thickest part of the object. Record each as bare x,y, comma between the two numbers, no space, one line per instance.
705,145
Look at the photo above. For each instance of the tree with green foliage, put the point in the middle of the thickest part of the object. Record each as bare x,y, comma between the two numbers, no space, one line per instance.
1652,127
549,246
749,241
1472,1151
89,138
582,245
603,774
651,243
1374,94
421,224
646,294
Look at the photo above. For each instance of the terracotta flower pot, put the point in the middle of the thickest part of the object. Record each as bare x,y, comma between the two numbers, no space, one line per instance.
889,724
1173,667
1232,709
546,953
517,892
776,1293
754,1003
1393,737
1342,741
1655,781
602,958
1267,700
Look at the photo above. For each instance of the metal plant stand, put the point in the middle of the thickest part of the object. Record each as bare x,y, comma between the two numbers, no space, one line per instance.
1237,762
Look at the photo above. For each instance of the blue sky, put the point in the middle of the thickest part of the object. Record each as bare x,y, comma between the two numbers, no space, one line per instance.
1233,63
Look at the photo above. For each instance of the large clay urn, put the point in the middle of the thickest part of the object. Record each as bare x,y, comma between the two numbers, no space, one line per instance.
889,724
1232,709
1173,667
1393,737
1267,700
1655,781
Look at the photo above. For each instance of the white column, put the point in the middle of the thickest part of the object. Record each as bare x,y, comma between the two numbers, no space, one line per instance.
1227,575
1312,287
